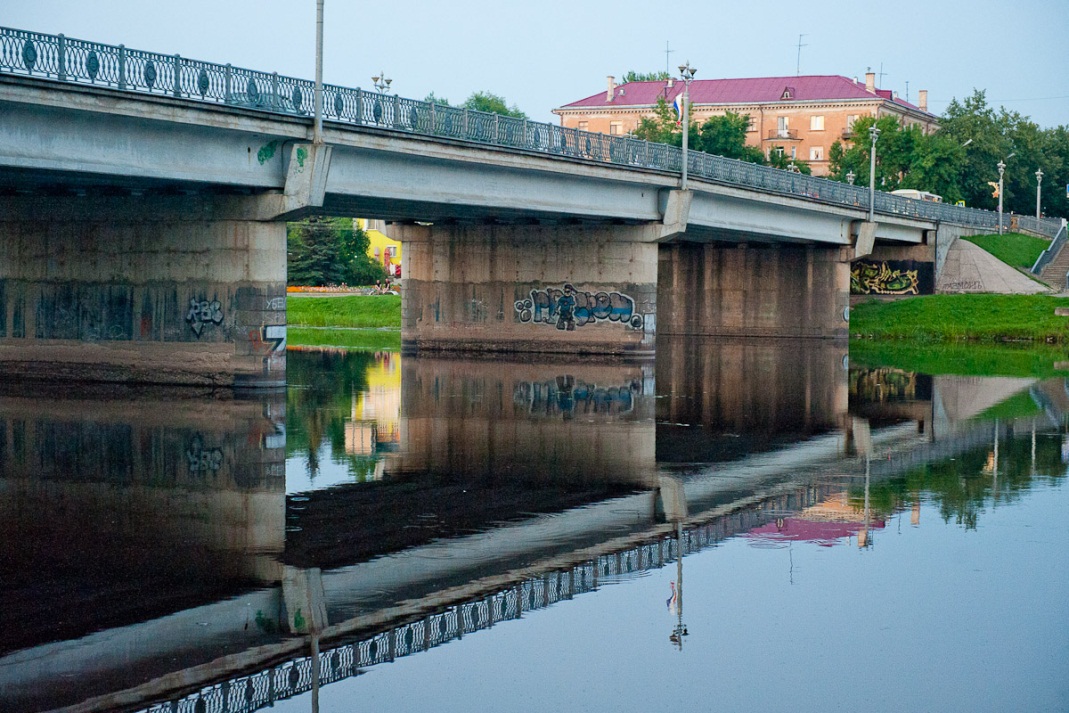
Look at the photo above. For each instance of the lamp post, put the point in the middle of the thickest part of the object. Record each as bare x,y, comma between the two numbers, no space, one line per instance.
850,176
381,82
687,73
1039,185
1001,171
317,127
874,134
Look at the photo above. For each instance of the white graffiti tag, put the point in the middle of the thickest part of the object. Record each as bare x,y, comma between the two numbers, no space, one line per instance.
203,313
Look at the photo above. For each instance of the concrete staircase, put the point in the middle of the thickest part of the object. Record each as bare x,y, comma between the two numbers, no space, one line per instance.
1054,272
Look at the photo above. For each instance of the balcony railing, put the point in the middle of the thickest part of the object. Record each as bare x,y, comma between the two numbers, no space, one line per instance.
782,135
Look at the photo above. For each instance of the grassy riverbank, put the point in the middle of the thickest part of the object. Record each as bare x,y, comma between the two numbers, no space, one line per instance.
963,318
368,323
1012,248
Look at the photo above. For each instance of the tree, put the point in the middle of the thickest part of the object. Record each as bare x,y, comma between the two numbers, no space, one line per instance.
492,103
633,76
329,251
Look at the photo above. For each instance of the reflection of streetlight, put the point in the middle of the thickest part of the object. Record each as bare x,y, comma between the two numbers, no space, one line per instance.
687,73
874,134
863,537
1039,185
680,629
381,82
1001,170
850,176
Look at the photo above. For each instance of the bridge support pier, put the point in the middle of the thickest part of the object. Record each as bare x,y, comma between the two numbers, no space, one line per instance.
749,290
542,289
172,289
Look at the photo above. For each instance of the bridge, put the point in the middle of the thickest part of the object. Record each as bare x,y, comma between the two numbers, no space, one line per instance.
145,197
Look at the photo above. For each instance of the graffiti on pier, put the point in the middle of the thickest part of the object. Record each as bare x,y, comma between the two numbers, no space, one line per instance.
891,277
567,308
203,313
202,459
568,397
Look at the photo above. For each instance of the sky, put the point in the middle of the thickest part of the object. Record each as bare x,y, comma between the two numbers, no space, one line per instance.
542,55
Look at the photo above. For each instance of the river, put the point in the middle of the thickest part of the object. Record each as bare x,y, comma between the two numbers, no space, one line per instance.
739,526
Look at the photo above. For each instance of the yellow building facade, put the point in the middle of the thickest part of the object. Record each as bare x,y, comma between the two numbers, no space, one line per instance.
382,248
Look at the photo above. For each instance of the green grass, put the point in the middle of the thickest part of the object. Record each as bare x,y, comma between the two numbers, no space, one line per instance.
978,317
353,311
1012,248
962,359
1018,406
369,340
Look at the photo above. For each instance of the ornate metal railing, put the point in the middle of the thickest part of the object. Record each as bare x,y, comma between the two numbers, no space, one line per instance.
292,678
117,67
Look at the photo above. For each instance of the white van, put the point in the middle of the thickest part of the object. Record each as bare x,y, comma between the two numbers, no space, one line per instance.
918,195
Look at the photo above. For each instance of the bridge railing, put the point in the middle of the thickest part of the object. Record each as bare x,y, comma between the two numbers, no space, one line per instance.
70,60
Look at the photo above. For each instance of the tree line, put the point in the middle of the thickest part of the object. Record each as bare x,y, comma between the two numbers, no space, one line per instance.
958,162
324,251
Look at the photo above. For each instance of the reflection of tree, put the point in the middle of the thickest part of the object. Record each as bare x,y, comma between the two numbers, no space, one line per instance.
321,384
963,487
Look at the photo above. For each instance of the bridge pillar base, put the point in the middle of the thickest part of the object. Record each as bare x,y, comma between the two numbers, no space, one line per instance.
540,289
743,290
165,291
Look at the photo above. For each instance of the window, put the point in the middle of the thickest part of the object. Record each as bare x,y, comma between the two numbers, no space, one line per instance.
794,152
782,126
816,123
583,125
616,128
752,125
816,153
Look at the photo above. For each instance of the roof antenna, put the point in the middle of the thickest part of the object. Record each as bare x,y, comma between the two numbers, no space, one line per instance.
798,67
667,59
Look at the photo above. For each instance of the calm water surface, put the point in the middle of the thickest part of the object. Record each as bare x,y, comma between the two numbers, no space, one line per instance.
460,535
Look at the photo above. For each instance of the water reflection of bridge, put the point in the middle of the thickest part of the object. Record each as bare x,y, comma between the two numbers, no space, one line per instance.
230,651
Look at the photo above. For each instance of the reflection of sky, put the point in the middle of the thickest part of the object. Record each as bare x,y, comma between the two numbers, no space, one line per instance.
961,620
329,474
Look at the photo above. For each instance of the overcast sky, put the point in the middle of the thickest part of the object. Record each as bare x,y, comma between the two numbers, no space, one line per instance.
541,55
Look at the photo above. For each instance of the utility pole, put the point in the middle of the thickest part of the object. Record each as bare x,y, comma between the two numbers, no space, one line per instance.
317,129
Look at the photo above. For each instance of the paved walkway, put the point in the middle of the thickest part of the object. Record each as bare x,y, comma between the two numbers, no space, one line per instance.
970,268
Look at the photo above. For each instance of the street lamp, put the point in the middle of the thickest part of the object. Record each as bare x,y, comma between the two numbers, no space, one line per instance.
850,176
317,126
1002,170
874,134
687,73
381,82
1039,185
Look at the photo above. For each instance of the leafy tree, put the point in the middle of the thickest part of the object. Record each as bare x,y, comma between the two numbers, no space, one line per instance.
329,251
431,99
726,136
489,102
661,128
633,76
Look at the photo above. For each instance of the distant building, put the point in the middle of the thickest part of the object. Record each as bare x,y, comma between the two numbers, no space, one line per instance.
382,248
800,116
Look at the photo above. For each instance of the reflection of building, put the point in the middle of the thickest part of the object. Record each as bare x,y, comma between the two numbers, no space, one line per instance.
375,414
381,248
829,522
798,116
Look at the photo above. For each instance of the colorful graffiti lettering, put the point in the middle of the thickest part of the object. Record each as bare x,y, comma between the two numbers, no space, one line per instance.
567,308
878,278
567,396
203,313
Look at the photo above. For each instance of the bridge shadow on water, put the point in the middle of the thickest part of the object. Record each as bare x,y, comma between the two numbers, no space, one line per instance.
162,547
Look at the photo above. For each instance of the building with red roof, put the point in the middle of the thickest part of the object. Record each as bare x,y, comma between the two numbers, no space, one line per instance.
802,116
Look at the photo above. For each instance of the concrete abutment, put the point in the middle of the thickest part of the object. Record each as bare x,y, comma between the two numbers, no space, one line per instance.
179,290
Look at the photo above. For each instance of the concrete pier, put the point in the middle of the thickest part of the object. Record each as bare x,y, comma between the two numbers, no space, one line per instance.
754,290
180,290
549,289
